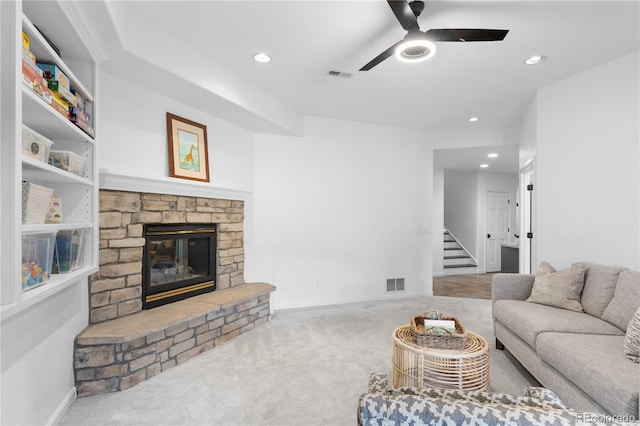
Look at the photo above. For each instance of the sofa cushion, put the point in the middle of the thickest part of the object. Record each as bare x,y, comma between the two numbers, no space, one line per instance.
632,338
589,361
626,300
528,320
561,289
408,409
599,286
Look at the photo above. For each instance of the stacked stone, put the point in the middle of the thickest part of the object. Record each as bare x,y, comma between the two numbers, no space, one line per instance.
116,289
110,365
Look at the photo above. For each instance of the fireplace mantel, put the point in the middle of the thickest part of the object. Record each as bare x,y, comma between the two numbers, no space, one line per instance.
126,181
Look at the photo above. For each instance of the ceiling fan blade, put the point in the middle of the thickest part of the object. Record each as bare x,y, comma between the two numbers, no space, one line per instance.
381,57
465,34
405,15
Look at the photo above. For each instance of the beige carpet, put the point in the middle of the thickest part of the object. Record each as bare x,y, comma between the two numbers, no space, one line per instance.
304,367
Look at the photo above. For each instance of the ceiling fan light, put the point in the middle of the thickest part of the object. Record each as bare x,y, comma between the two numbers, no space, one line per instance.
415,50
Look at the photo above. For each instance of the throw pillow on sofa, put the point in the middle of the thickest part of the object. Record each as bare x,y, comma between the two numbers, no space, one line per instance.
632,338
599,286
626,300
561,289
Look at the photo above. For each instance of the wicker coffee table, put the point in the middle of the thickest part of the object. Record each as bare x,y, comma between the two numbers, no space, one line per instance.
420,366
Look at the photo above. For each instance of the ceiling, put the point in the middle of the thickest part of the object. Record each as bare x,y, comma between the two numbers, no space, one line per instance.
307,39
470,159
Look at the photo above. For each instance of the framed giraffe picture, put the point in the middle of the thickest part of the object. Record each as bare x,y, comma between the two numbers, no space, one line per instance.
188,154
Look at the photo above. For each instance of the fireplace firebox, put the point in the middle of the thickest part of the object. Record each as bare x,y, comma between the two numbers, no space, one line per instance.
179,262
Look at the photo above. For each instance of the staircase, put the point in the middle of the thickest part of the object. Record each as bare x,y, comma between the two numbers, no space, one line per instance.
457,260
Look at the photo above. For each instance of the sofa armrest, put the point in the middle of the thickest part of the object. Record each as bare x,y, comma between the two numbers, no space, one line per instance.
511,286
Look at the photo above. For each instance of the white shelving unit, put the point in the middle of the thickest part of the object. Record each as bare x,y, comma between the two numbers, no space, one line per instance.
20,105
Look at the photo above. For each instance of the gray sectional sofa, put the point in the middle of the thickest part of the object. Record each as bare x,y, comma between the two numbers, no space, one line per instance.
578,354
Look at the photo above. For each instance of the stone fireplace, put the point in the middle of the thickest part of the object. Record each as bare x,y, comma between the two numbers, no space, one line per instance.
126,344
116,290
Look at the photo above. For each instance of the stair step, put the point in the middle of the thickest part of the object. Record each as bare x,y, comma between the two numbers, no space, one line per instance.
462,256
464,265
449,241
452,248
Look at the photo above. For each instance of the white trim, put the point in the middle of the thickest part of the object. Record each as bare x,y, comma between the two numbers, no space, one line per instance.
63,407
400,296
81,22
125,181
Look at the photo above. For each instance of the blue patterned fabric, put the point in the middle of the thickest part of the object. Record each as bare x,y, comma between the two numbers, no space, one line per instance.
429,406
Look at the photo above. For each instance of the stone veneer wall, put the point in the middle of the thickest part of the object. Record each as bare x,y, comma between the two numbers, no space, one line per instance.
116,289
106,359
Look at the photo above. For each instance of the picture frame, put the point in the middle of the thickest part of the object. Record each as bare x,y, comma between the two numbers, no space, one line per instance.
188,150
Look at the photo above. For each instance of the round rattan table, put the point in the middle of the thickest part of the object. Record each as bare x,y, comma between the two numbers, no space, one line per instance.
421,366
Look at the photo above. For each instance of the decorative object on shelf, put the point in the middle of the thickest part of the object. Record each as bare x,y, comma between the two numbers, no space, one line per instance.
35,202
433,329
54,214
188,155
37,258
68,252
68,161
35,145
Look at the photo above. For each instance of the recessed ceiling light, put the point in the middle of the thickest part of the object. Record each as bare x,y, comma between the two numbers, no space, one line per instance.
262,57
534,60
484,166
492,155
472,119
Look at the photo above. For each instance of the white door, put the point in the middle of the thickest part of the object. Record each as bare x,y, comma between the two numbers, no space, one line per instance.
496,226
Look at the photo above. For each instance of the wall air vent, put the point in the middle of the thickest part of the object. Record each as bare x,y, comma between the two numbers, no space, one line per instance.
395,284
340,74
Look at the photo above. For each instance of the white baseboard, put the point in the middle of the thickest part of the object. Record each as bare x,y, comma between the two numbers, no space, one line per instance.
64,406
399,295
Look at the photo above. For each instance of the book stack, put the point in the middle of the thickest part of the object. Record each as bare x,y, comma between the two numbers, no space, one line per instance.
440,326
59,85
80,115
32,74
54,87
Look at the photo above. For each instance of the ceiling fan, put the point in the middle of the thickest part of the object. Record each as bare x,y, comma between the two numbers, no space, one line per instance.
417,45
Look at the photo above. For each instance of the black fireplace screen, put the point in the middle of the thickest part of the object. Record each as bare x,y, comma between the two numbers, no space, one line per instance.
179,262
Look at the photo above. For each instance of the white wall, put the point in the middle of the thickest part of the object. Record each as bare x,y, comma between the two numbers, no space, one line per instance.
344,207
437,240
461,207
133,135
528,135
587,167
37,357
333,214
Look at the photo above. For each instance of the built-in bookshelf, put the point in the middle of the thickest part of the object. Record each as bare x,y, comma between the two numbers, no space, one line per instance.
51,41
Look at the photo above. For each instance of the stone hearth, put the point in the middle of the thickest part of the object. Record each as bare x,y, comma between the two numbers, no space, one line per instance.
118,354
124,344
